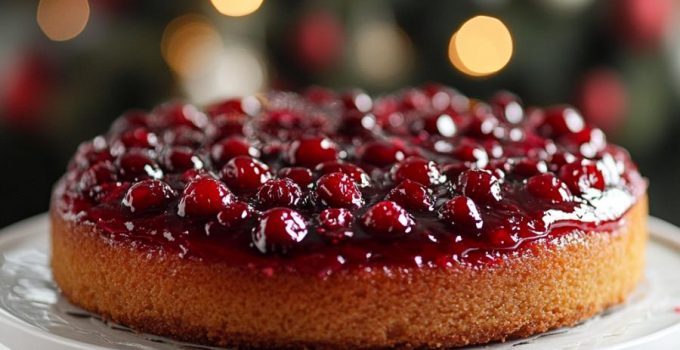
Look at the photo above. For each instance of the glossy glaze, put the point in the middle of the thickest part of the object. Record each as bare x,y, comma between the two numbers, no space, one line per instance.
417,148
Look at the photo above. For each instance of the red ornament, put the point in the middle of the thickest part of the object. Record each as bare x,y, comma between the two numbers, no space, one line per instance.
26,90
602,99
319,40
642,23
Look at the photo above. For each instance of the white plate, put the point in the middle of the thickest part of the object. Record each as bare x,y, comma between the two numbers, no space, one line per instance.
33,315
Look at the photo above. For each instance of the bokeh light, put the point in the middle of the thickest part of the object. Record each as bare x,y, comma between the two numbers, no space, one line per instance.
62,20
383,52
482,46
236,8
188,43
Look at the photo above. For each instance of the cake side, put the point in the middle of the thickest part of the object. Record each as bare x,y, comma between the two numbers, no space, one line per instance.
544,286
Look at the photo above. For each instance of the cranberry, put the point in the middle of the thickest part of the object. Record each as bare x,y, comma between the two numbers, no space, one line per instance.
559,159
355,123
338,190
528,167
480,185
137,164
231,125
414,99
230,147
178,114
279,122
354,172
301,175
234,214
108,193
147,195
183,136
229,106
91,153
461,211
279,231
419,170
548,187
381,153
139,138
562,120
99,173
244,174
412,196
335,224
587,142
387,219
204,196
469,151
357,100
310,151
180,158
482,123
320,95
508,106
130,120
279,192
582,176
442,124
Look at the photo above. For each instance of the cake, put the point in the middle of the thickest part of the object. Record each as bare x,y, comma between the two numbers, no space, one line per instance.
417,219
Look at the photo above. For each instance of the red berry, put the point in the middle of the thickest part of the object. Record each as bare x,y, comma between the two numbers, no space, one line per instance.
310,151
230,147
508,106
338,190
146,195
234,214
412,196
320,95
180,158
139,138
229,106
279,192
244,174
528,167
419,170
469,151
179,114
381,153
548,187
354,172
335,224
387,219
279,230
138,164
483,122
480,185
562,120
301,175
587,142
100,173
204,196
582,176
461,211
442,124
357,101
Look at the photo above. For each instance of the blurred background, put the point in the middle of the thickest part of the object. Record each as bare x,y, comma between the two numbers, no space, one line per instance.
69,67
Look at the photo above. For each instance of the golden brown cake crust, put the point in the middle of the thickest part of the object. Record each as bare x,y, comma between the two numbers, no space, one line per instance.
551,285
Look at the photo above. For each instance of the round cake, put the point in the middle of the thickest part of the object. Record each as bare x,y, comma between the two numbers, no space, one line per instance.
418,219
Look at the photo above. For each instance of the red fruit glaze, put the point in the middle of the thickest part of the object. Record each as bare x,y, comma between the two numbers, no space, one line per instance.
424,177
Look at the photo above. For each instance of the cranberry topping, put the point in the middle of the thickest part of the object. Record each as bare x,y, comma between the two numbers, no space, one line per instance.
146,195
244,174
582,177
279,192
279,230
335,224
417,169
354,172
461,211
548,187
411,195
387,219
301,175
420,178
480,185
235,214
204,196
338,190
310,151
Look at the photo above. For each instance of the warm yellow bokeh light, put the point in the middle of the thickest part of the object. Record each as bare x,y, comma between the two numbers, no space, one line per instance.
236,8
482,46
188,43
62,20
